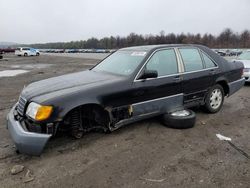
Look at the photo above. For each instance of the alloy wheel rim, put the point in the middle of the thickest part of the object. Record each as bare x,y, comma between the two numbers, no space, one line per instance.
215,99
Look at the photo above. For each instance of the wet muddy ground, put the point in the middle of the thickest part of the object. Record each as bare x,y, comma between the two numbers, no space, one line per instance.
143,154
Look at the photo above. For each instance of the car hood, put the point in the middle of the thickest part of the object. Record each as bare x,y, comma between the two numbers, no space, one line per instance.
68,81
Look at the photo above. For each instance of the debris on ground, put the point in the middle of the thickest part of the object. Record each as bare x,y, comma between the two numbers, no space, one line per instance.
221,137
203,122
17,169
228,140
153,180
28,177
239,150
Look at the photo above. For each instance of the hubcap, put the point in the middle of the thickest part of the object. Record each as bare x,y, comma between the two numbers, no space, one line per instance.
181,113
215,99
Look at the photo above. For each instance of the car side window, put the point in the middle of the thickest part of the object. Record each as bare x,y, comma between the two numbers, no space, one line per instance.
164,62
191,59
208,62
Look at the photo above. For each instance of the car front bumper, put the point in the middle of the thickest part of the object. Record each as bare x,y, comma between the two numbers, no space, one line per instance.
235,86
25,141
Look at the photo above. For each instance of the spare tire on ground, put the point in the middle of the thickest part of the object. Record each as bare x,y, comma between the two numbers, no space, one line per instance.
182,119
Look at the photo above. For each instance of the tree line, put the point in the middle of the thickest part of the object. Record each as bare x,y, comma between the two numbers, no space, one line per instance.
226,39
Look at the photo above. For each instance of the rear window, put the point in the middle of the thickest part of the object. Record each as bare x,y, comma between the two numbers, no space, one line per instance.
208,62
26,49
191,59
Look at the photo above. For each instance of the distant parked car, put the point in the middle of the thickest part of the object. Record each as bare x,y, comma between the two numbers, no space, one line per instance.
26,51
235,52
221,53
6,50
72,51
100,50
245,59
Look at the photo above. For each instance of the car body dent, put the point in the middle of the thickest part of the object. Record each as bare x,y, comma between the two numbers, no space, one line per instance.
25,141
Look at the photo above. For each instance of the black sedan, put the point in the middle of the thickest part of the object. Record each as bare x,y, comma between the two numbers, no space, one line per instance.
129,85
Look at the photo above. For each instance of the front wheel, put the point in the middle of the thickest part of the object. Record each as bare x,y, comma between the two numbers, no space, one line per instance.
214,99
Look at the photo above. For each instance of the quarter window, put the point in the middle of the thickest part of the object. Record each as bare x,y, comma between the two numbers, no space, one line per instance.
208,62
191,59
164,62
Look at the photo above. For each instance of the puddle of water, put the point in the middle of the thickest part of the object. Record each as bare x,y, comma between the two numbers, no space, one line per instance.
31,66
9,73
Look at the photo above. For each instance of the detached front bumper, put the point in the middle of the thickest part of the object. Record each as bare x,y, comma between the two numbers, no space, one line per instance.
25,141
235,86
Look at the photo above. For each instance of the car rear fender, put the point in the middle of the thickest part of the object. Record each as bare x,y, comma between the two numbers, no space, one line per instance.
224,83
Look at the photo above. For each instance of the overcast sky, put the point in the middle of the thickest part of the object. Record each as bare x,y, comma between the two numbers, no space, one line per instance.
34,21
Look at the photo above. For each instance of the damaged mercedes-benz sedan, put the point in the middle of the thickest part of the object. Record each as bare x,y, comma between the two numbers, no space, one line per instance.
129,85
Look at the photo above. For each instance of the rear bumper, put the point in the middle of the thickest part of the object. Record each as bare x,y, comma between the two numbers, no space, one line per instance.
235,86
246,75
18,53
25,141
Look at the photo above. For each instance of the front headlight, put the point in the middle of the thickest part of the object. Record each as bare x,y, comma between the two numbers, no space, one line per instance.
38,112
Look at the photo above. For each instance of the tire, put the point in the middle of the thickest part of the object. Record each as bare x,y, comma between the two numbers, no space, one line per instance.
37,54
182,119
25,54
214,99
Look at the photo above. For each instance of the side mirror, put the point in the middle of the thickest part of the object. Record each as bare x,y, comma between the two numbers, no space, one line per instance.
149,74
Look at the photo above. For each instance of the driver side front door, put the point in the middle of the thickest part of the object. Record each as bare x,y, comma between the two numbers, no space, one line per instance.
161,94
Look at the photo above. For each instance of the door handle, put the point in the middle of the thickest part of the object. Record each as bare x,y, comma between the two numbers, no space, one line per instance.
177,79
212,72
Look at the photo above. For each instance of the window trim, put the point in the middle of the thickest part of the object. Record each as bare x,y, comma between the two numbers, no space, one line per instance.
136,79
179,63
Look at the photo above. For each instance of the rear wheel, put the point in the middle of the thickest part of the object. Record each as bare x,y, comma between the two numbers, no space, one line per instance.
214,99
37,54
25,54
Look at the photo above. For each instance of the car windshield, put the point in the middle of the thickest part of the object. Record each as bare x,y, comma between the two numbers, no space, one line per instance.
244,56
121,62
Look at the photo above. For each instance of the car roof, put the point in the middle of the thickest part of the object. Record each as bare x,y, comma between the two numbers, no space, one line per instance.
154,47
